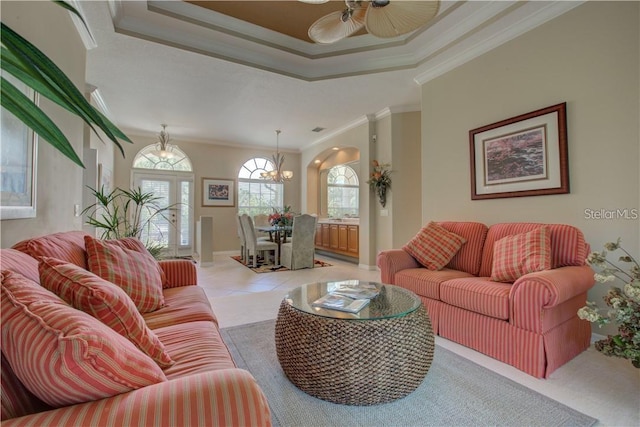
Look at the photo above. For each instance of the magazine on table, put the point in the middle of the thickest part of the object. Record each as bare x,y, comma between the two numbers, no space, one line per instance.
354,289
341,303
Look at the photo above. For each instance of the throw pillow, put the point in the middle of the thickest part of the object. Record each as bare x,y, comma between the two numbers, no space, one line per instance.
62,355
520,254
434,246
104,301
136,272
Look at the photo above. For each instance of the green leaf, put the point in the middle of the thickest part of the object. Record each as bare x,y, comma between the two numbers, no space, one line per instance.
17,103
35,64
14,67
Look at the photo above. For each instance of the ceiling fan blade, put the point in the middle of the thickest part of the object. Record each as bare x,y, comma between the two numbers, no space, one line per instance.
331,28
399,17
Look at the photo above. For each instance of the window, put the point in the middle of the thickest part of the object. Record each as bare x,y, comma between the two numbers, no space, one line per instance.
256,195
148,159
342,192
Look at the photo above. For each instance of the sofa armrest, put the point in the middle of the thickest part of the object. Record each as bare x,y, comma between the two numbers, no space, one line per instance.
216,398
544,290
392,261
179,272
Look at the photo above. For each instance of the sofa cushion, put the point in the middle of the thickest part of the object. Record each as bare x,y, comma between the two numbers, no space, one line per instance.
478,294
196,347
434,246
104,301
182,305
135,271
67,246
567,243
520,254
469,257
19,262
425,282
62,355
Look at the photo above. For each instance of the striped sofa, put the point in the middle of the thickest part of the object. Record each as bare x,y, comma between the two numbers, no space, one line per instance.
531,323
202,386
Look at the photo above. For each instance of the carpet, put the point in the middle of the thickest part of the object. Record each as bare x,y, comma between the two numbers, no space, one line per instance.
270,268
456,392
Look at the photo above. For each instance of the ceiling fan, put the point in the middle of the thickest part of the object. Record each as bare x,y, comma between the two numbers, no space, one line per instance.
381,18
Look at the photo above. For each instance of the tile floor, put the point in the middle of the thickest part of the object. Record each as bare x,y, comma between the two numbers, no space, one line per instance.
603,387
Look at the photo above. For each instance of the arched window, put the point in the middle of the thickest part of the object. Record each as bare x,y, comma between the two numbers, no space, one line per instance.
342,192
255,194
149,158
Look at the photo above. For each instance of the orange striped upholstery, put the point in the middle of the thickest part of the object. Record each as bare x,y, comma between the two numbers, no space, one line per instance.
425,282
531,324
478,295
182,305
62,355
179,272
137,273
469,256
20,262
206,350
392,261
103,300
567,243
228,397
67,246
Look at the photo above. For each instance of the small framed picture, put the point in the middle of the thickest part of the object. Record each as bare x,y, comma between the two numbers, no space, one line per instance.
217,192
521,156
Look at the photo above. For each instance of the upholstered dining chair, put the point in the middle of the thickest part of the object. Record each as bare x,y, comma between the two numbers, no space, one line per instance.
243,240
254,246
299,252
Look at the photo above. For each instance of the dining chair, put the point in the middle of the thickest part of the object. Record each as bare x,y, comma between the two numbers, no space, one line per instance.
299,251
253,244
261,220
243,240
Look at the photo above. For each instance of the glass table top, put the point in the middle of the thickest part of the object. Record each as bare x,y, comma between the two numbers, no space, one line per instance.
391,301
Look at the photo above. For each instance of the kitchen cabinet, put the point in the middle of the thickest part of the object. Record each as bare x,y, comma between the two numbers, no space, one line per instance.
338,238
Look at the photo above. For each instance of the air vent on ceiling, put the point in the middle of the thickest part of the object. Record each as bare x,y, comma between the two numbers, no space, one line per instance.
317,129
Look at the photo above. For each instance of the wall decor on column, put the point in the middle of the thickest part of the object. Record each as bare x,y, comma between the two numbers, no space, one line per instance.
525,155
218,192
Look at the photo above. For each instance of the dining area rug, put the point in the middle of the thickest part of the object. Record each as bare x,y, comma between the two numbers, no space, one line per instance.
455,392
270,268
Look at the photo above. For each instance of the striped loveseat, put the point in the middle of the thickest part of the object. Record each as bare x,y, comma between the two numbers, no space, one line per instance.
187,378
529,322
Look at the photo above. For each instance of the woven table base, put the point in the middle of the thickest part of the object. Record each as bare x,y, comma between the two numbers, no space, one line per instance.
354,362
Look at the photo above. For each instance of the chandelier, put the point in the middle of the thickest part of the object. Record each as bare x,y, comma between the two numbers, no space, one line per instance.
277,174
164,150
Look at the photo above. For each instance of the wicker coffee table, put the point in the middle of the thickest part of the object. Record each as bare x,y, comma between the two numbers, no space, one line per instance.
375,356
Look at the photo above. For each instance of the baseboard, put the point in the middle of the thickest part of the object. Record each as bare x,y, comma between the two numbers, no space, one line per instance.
597,337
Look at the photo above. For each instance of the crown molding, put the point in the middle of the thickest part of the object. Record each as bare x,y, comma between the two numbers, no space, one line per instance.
83,28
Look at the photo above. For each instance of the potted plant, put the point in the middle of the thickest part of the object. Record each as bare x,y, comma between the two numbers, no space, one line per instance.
624,304
127,213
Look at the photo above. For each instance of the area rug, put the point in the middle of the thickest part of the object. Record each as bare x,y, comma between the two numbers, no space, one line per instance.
456,392
270,268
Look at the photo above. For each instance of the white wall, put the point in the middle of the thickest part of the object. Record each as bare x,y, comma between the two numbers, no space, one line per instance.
588,58
59,181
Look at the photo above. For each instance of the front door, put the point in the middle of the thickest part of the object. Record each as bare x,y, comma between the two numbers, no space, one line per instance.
173,230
